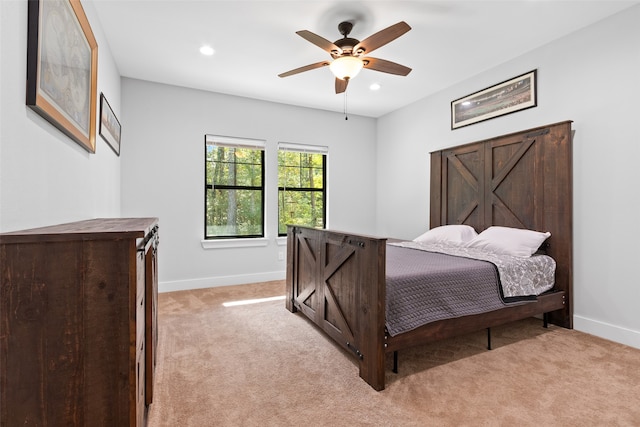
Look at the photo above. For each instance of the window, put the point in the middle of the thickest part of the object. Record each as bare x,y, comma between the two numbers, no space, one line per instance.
301,186
234,187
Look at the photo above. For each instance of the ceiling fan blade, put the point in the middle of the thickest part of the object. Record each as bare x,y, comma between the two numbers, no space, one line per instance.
305,68
319,41
382,37
341,85
385,66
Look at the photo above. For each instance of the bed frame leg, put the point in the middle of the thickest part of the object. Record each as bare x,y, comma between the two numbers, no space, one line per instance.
488,338
545,320
395,362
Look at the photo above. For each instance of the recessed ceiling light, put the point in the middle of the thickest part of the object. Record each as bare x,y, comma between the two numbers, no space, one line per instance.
207,50
375,86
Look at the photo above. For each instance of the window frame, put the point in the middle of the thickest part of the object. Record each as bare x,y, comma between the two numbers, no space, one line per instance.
235,142
309,149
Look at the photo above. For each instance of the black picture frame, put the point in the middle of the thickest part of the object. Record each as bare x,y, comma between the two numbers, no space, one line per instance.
515,94
110,128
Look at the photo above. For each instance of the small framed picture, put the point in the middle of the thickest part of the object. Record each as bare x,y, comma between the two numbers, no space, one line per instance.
512,95
110,129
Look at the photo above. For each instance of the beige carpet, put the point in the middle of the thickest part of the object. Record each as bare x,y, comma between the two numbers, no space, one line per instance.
260,365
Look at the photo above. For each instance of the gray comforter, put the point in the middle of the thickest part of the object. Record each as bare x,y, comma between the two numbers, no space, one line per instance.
424,285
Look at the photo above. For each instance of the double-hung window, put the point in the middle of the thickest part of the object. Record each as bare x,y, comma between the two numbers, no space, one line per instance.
301,186
234,187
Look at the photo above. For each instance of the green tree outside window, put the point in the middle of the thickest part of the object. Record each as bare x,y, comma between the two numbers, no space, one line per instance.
234,191
301,189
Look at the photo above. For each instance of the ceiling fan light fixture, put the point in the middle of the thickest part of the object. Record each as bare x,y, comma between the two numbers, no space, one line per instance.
346,67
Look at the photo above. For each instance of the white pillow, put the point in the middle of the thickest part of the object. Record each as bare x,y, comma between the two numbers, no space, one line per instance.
448,233
509,241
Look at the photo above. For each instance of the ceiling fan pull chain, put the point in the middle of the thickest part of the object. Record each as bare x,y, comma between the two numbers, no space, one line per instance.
345,106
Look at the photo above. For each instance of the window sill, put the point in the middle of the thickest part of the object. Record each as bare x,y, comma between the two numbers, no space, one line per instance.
234,243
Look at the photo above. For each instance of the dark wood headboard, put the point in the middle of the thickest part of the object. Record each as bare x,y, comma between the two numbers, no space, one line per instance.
521,180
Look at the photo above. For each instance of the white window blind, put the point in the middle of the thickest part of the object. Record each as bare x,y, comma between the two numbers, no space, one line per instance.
229,141
303,148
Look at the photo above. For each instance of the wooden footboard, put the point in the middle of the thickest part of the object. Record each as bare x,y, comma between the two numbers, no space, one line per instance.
337,280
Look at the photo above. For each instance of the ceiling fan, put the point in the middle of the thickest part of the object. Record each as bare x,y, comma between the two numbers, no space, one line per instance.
349,54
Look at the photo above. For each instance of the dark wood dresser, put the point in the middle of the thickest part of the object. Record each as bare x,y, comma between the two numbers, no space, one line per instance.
78,323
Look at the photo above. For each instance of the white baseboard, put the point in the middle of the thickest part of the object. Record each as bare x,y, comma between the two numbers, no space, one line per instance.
607,331
211,282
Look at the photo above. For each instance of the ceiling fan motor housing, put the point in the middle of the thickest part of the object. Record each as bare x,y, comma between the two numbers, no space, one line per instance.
346,43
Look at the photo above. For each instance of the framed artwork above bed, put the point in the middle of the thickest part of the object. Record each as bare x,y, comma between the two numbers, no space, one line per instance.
515,94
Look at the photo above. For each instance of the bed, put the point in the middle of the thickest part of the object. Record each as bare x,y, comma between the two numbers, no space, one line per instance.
521,180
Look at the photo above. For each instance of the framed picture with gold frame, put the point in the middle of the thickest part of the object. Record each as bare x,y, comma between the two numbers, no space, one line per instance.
62,68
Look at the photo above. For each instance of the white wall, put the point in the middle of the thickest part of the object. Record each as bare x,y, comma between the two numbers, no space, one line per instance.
45,177
163,174
590,77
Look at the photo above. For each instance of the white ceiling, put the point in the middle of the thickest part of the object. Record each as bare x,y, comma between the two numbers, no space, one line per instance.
254,41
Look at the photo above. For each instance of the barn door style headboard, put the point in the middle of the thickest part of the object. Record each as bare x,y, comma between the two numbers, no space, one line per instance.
521,180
